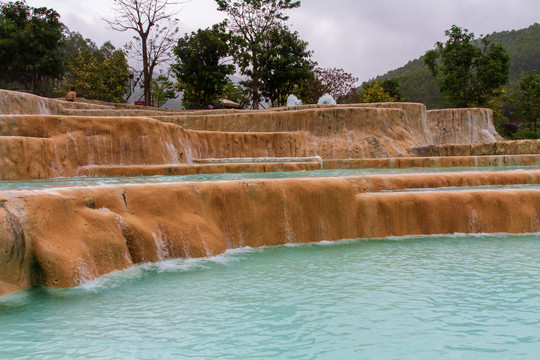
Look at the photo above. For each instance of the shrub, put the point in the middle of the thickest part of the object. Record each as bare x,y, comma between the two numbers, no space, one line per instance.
508,130
526,134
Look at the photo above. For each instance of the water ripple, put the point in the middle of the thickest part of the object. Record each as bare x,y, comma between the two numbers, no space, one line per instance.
458,296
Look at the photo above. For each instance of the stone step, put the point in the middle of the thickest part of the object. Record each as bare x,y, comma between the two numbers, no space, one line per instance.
510,147
194,169
433,162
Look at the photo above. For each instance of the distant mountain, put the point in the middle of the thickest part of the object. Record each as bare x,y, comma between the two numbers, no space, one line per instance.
523,46
418,85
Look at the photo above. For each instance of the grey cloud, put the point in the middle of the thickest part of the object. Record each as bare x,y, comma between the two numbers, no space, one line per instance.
373,37
364,37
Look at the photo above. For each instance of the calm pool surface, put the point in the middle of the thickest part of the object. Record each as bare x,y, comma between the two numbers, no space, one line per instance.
82,181
435,297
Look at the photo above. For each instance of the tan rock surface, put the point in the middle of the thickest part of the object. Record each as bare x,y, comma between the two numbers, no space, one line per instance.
153,170
512,147
434,162
63,237
42,146
462,126
37,146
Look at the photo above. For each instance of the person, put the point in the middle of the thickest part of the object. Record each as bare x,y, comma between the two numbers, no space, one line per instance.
71,95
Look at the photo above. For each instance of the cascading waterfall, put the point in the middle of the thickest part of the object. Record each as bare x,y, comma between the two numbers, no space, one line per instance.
162,249
170,152
142,139
72,138
534,222
56,166
287,224
98,229
122,150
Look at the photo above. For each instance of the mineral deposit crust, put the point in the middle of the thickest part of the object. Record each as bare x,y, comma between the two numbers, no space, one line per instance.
66,236
60,144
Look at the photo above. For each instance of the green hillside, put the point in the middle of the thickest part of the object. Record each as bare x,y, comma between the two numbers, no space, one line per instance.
417,84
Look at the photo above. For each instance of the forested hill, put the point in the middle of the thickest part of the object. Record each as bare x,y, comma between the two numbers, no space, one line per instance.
417,84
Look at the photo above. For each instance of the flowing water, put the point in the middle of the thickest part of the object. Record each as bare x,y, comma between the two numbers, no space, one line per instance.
430,297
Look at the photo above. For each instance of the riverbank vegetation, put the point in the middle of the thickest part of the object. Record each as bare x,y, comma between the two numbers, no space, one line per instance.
417,84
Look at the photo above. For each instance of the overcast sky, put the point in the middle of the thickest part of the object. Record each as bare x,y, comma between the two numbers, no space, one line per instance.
364,37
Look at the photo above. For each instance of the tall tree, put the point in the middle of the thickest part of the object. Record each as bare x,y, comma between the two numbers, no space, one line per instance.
284,63
30,42
391,86
527,99
74,44
154,23
468,75
251,20
200,69
163,90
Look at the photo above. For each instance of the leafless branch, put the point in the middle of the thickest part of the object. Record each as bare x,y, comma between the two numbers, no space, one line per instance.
155,24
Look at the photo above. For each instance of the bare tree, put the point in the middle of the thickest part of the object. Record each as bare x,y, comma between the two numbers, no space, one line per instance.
155,25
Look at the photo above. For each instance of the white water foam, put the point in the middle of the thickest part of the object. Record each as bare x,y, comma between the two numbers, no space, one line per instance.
15,299
161,246
288,228
72,138
139,271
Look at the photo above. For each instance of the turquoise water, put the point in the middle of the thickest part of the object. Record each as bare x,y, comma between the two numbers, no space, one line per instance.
435,297
83,180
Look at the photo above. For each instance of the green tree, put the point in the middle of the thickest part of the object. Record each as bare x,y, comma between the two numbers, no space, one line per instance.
417,84
236,93
105,80
250,21
30,42
523,46
74,44
468,75
284,63
391,86
105,51
375,92
527,99
162,90
200,68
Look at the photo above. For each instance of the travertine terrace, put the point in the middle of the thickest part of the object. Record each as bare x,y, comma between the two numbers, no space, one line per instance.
63,236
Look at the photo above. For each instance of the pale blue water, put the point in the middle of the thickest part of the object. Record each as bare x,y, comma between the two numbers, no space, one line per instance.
83,180
436,297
